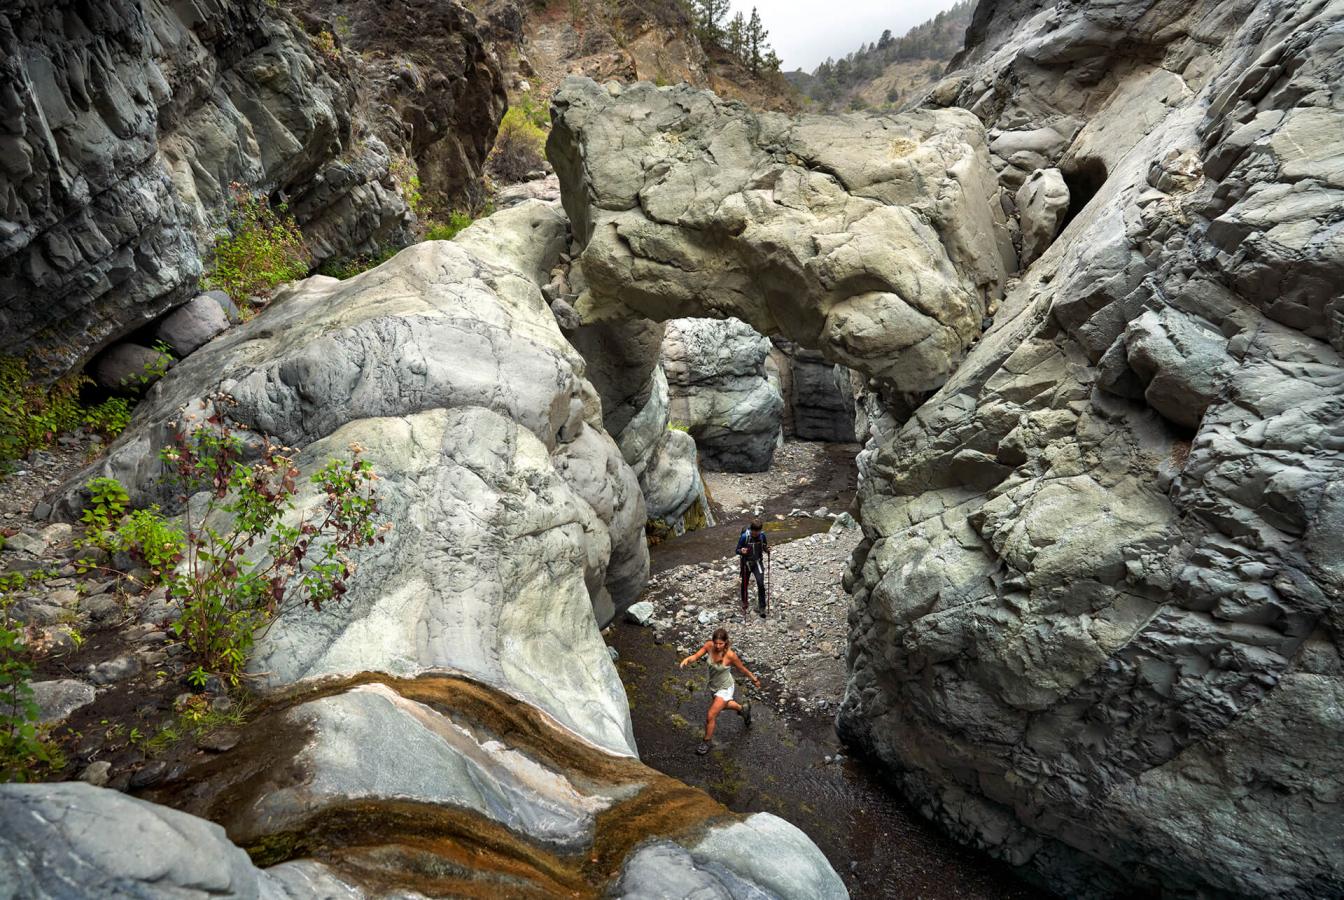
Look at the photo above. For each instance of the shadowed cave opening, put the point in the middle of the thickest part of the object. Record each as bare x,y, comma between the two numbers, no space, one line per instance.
1084,177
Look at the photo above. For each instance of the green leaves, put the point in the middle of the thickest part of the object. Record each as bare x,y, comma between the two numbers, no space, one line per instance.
264,249
23,752
229,590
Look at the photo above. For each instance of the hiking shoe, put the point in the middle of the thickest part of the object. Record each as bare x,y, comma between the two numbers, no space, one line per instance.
746,712
703,748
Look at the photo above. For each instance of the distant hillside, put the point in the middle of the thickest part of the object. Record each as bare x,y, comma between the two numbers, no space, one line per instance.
891,73
539,42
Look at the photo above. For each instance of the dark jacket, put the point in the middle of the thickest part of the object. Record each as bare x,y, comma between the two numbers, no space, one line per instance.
757,546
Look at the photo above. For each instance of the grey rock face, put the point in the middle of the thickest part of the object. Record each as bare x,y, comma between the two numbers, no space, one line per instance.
128,123
624,365
1095,621
872,239
58,699
445,364
517,524
128,367
718,390
821,398
71,840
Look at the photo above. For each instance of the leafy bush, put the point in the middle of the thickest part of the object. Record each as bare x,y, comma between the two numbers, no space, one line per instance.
227,593
446,231
518,147
23,752
349,268
263,250
32,415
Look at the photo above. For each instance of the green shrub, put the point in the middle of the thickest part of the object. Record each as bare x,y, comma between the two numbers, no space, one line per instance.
407,176
349,268
446,231
23,751
226,593
518,146
33,415
263,250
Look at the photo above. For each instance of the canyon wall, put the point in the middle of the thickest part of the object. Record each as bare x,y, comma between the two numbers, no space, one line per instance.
1096,618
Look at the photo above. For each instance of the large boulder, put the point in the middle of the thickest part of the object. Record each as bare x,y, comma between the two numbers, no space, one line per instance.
455,721
870,238
719,392
76,840
1096,615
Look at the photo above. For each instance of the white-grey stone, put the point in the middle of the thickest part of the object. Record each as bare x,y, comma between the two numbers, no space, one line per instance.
59,698
640,613
1042,204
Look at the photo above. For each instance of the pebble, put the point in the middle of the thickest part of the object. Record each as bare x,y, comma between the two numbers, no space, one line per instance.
96,773
220,741
150,774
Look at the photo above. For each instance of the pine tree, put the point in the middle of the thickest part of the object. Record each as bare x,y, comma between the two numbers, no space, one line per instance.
737,36
756,45
708,16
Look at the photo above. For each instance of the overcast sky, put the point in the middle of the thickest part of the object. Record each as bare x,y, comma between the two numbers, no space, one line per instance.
805,32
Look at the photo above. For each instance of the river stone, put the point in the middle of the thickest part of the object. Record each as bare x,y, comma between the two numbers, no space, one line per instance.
719,391
640,613
192,324
1095,613
871,238
71,839
58,699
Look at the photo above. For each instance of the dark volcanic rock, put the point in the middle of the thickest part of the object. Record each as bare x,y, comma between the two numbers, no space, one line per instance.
125,123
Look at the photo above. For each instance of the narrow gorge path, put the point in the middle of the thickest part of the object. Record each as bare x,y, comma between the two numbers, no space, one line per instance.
790,761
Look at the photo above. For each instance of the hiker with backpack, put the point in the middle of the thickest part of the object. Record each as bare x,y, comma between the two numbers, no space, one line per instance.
752,549
722,660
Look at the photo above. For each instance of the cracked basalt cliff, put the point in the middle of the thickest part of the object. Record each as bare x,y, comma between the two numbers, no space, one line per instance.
123,124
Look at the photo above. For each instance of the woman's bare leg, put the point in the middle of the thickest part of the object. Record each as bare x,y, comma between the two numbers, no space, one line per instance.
714,709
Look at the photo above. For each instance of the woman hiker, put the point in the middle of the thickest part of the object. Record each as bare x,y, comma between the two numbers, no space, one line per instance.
720,658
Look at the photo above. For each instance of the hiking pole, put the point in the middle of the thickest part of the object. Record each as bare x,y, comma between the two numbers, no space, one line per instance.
769,571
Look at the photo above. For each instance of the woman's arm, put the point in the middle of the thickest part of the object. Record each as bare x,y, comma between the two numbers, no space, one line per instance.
737,661
694,656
